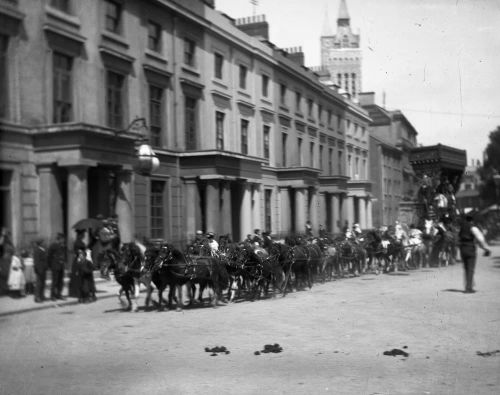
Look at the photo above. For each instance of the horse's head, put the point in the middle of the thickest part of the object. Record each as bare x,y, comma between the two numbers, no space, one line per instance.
131,257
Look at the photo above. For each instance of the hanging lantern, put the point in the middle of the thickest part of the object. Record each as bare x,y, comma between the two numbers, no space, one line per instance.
147,161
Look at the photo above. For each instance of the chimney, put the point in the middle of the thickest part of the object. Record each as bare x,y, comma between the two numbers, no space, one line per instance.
296,54
255,26
366,98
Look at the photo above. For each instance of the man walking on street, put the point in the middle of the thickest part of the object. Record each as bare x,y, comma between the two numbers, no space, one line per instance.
56,257
469,235
40,265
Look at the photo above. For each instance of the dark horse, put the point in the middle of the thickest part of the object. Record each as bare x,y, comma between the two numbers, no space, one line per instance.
179,269
127,272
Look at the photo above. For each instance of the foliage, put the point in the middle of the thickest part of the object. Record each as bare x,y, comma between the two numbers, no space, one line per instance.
491,166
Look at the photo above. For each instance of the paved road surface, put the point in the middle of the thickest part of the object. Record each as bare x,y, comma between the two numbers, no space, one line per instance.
333,339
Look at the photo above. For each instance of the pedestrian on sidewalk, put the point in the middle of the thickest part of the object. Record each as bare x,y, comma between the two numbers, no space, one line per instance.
56,258
75,279
469,236
16,281
29,270
41,266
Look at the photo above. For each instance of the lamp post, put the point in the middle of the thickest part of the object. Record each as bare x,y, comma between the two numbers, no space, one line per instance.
147,161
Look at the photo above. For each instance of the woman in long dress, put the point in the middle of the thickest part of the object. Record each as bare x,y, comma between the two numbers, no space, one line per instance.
16,281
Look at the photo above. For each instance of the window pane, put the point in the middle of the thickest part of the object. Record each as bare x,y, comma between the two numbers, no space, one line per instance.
219,125
155,114
219,60
190,123
4,85
157,209
62,90
154,36
112,17
244,136
114,99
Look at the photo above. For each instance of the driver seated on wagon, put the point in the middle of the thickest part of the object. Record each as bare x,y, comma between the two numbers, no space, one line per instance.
196,245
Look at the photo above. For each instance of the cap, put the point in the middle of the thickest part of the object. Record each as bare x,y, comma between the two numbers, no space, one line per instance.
199,232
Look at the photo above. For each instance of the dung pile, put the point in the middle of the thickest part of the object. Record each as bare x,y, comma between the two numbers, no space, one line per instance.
217,350
396,351
270,348
488,353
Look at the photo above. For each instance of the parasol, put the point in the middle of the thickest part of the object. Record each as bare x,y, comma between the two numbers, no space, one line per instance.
88,223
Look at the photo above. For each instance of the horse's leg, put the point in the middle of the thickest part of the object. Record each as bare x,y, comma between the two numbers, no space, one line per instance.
179,305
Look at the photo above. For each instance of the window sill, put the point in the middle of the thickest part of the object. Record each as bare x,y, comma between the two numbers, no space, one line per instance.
190,70
113,38
219,83
156,56
244,94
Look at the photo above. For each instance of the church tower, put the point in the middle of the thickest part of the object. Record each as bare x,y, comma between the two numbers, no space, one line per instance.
341,53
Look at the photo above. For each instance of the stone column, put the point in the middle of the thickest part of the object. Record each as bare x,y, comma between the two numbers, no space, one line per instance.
362,213
349,210
285,213
212,206
300,210
51,210
78,199
125,205
226,211
313,210
245,211
336,225
369,217
322,203
256,201
192,208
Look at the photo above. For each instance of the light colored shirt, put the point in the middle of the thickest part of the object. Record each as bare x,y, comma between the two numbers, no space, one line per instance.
478,235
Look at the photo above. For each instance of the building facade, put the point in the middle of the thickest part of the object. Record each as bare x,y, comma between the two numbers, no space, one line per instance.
392,138
246,136
341,54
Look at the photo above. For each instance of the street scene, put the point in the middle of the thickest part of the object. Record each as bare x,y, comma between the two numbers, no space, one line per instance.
246,197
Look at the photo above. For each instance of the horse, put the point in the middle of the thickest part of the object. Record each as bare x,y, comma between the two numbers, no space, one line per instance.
298,264
127,271
180,269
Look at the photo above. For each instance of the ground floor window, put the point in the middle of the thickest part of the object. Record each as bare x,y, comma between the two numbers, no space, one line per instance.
157,207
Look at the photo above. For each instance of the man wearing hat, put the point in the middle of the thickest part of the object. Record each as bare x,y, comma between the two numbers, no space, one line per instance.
56,258
257,238
469,235
40,265
212,243
197,243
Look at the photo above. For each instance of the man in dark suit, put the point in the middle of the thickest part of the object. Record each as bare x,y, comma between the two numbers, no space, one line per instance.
40,264
56,257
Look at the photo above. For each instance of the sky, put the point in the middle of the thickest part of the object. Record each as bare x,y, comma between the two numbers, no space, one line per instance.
438,61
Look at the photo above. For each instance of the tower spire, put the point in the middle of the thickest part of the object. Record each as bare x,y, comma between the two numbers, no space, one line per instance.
343,18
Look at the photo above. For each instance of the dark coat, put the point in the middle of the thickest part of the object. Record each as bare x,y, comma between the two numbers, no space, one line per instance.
40,260
56,256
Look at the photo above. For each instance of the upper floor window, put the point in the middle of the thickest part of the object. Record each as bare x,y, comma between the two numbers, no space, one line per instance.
298,100
311,154
321,157
299,150
154,36
310,106
283,94
244,137
62,91
330,161
113,16
189,52
284,137
243,77
320,112
346,82
339,122
155,114
218,65
339,163
61,5
265,85
353,83
4,80
330,118
115,93
157,209
219,129
348,126
265,136
190,125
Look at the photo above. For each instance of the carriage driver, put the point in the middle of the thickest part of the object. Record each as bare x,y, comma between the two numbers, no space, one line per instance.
212,243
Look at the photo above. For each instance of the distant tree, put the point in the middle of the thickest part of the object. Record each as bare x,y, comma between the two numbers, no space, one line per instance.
491,166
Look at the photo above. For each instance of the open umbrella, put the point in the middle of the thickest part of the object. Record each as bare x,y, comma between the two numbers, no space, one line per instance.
88,223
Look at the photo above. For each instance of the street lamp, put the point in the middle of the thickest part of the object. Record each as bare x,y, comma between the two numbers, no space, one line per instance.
147,161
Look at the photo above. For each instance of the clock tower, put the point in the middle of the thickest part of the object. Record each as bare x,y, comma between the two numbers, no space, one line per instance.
341,53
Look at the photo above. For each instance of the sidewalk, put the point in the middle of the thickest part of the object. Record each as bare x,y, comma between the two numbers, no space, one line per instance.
10,306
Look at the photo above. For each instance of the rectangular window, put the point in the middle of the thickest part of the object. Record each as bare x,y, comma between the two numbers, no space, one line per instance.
244,137
218,65
190,122
62,92
61,5
115,92
243,77
265,135
339,123
298,99
267,209
321,157
157,207
189,52
339,164
349,166
311,154
155,114
364,174
330,118
353,83
113,16
299,150
265,86
283,149
348,127
310,107
4,80
320,113
154,36
282,94
219,130
356,169
330,161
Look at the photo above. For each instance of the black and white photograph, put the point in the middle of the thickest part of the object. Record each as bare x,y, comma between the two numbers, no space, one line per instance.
246,197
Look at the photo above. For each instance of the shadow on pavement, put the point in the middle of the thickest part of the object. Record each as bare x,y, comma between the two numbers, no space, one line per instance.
454,290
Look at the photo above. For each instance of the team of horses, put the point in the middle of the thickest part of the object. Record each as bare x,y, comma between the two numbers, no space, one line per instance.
251,271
